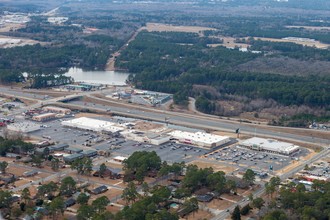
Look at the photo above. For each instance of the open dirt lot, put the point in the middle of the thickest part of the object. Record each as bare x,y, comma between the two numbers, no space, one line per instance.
231,197
171,28
216,167
316,44
113,209
111,193
20,42
199,215
146,126
229,42
219,204
17,171
11,26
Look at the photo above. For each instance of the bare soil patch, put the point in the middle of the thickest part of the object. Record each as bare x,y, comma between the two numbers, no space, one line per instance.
88,115
17,171
146,126
113,209
216,167
232,197
199,215
21,42
172,28
11,26
219,204
316,44
111,193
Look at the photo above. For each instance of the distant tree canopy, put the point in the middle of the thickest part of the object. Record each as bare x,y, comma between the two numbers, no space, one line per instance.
161,63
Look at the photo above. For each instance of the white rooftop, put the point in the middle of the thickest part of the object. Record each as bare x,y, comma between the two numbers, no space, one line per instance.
271,145
23,126
121,158
198,136
92,124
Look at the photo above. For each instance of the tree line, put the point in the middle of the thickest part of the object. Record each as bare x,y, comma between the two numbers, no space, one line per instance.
160,65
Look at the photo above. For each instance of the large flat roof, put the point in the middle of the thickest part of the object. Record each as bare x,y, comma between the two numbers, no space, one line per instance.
198,136
271,145
92,124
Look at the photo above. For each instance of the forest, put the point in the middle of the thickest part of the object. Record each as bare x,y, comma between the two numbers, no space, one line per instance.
163,62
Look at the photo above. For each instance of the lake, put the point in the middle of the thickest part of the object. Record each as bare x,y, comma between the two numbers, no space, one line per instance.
103,77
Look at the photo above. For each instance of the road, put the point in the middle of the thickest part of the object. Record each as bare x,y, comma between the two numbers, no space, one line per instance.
196,121
184,119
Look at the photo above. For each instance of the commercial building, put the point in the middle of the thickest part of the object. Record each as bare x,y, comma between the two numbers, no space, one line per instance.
270,145
200,139
44,117
24,127
75,87
152,138
57,110
92,125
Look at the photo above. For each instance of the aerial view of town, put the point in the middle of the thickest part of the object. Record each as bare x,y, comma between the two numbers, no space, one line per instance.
165,110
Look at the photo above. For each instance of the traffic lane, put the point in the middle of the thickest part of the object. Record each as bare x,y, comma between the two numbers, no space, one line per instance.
22,93
204,122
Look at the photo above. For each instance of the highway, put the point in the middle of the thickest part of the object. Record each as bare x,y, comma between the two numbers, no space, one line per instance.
196,121
177,118
183,119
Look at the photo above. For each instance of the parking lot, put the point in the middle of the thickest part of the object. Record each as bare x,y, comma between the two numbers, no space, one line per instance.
245,158
234,155
171,152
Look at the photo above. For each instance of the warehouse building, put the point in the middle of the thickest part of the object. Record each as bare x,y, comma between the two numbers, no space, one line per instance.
57,110
200,139
270,145
44,117
24,127
92,125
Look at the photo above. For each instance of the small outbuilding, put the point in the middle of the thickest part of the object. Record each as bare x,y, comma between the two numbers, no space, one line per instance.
99,190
